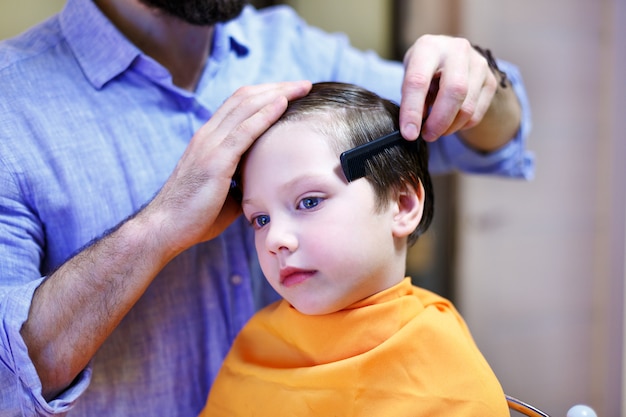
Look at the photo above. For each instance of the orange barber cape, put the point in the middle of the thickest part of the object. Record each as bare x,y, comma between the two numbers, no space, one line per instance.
402,352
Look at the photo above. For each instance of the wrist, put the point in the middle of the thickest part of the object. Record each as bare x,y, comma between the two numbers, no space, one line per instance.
148,229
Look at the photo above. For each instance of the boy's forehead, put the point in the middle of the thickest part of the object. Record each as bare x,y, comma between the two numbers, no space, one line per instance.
299,133
322,125
291,149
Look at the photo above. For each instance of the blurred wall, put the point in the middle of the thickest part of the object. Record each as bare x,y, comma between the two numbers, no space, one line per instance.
541,264
559,243
368,22
540,271
16,16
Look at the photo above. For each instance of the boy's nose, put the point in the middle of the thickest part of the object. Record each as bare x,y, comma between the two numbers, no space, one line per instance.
281,237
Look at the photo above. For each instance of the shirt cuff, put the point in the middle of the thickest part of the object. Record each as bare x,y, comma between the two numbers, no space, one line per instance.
24,381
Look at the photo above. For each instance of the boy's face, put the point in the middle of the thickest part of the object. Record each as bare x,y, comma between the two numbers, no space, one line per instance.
321,243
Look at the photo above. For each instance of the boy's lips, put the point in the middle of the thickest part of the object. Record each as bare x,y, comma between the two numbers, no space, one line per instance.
290,276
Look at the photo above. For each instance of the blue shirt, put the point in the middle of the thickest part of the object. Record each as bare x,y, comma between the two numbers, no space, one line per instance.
90,128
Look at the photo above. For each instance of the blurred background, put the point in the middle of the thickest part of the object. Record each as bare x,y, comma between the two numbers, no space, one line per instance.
536,268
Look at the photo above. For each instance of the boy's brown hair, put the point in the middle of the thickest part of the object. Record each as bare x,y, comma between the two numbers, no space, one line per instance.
350,116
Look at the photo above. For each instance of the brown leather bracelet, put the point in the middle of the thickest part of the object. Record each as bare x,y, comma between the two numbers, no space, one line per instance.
491,61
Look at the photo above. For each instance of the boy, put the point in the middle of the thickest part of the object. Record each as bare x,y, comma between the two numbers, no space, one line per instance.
353,336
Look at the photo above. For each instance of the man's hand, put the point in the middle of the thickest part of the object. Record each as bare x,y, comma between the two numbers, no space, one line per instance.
194,203
451,76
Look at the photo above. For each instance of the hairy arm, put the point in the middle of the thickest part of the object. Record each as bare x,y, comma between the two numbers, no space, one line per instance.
76,308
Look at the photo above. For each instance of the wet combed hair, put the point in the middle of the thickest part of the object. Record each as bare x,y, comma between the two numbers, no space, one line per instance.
350,116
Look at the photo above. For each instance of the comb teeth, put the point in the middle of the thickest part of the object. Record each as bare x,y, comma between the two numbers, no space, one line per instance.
353,160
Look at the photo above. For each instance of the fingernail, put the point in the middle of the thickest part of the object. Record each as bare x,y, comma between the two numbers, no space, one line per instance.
410,131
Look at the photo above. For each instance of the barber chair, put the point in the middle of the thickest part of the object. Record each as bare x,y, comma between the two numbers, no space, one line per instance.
530,411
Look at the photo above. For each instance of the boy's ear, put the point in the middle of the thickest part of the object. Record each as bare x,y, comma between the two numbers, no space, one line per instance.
409,205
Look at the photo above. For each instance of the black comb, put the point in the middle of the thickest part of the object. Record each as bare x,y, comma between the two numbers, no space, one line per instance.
353,160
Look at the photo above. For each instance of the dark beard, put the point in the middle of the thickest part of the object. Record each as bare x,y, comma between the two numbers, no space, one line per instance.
199,12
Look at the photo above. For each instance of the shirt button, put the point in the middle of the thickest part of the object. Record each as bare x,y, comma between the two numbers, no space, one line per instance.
236,279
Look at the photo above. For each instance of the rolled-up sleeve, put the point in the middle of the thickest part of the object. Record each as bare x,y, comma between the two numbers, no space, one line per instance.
20,387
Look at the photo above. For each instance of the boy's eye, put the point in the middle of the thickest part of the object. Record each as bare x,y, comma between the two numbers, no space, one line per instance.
260,221
309,202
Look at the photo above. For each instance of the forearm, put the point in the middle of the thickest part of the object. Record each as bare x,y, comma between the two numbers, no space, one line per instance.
77,307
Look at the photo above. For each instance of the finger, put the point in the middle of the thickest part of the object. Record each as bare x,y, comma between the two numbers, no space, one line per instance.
220,149
249,99
484,100
483,85
421,63
291,89
246,132
264,104
452,94
468,110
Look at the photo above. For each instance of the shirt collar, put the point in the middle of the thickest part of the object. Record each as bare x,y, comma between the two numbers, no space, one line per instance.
101,50
230,37
111,54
